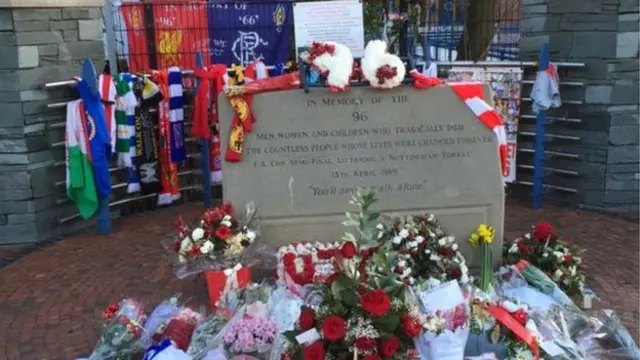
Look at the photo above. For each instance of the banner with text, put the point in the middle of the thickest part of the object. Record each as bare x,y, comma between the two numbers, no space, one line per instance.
340,21
506,89
243,32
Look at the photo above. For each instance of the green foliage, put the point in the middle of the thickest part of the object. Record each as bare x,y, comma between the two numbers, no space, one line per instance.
365,220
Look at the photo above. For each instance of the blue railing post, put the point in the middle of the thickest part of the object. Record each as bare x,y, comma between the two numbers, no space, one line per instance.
541,120
204,147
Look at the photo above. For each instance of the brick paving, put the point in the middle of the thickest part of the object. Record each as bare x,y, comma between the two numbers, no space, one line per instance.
50,299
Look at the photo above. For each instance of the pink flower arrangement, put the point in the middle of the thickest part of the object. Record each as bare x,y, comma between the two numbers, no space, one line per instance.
251,336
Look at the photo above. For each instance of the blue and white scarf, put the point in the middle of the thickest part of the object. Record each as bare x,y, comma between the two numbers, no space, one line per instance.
176,115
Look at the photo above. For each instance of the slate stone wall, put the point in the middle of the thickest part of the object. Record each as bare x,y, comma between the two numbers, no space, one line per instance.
38,46
604,35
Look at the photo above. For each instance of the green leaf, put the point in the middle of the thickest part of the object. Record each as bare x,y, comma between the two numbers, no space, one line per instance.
373,216
350,223
387,323
336,289
350,297
290,335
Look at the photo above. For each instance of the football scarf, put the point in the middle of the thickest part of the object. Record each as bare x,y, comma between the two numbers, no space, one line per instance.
176,115
146,173
169,170
125,126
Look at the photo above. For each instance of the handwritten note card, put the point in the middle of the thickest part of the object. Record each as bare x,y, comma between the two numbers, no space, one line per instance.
442,297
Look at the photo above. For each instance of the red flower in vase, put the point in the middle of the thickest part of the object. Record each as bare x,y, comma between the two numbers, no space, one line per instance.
212,216
222,232
568,258
194,251
543,231
334,328
375,302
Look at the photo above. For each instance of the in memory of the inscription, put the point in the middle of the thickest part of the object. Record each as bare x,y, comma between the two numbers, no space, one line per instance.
376,154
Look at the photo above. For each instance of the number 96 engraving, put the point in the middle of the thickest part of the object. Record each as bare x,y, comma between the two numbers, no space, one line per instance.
359,116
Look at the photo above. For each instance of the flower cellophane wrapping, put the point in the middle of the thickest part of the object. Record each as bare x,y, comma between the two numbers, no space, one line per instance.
159,318
121,332
203,246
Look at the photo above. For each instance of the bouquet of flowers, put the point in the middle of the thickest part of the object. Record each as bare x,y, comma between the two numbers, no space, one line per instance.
252,336
556,256
425,252
513,327
369,316
207,336
306,263
251,294
158,319
217,241
121,332
180,328
446,334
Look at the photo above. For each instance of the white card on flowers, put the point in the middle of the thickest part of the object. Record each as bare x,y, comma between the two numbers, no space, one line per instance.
308,337
442,297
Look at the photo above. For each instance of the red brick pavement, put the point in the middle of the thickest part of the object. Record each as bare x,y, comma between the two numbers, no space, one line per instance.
50,299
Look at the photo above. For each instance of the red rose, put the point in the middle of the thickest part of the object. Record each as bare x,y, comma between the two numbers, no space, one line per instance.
568,258
307,319
390,346
371,357
543,231
314,351
222,232
211,216
524,248
375,302
455,273
520,316
365,343
411,326
228,209
348,249
333,328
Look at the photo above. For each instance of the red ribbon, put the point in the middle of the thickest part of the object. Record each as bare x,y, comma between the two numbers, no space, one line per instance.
512,324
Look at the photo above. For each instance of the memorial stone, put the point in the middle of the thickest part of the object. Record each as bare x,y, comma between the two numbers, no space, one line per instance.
423,151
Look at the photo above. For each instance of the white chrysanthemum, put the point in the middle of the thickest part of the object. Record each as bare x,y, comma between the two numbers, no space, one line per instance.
206,247
545,254
454,247
442,241
403,233
527,236
577,260
402,263
197,234
412,244
434,257
419,239
225,223
380,226
250,235
397,240
226,218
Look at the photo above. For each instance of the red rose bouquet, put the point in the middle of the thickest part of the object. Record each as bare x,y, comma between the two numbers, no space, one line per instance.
216,242
121,332
557,257
365,315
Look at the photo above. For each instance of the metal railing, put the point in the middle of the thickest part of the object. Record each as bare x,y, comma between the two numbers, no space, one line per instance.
189,173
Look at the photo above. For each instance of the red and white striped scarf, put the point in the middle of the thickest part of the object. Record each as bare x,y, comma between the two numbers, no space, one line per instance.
472,94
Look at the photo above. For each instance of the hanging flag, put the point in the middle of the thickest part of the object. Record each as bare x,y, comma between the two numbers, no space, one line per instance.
244,32
134,42
180,32
81,187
